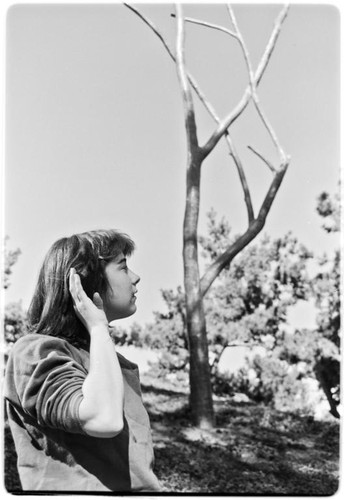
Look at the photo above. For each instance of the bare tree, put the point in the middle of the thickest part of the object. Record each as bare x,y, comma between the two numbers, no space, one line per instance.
196,286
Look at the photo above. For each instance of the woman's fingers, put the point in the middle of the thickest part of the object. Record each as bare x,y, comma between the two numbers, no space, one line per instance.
72,288
78,293
90,312
78,287
75,287
97,300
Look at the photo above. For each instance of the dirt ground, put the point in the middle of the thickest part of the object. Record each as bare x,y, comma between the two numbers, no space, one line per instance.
253,450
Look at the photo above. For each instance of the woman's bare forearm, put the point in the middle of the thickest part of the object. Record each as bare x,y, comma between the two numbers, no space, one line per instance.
101,409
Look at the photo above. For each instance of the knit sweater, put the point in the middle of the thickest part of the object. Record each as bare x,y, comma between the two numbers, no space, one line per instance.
43,389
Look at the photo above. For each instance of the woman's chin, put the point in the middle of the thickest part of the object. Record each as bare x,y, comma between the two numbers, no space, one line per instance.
123,315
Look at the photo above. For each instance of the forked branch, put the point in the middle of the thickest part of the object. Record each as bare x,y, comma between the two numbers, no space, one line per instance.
209,108
208,105
253,229
255,224
236,112
254,94
253,82
241,105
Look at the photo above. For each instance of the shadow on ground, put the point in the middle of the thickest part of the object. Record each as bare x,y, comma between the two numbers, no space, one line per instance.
253,450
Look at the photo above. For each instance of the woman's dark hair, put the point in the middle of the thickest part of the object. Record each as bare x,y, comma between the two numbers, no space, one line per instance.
51,311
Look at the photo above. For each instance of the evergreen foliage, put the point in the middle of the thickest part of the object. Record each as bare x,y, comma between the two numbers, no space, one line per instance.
248,305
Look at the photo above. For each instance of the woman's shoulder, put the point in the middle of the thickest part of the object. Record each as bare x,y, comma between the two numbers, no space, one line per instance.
38,338
36,343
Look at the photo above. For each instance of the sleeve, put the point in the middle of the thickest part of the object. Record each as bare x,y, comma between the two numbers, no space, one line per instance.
47,380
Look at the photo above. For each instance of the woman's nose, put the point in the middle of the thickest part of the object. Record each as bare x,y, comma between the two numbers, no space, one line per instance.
135,278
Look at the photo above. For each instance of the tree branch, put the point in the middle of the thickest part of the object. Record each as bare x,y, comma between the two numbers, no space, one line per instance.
271,167
225,124
240,107
190,122
232,151
254,94
192,81
271,43
208,25
153,28
272,191
238,36
213,113
242,176
254,228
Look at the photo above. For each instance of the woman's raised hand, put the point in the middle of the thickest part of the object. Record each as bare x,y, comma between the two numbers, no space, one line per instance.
91,313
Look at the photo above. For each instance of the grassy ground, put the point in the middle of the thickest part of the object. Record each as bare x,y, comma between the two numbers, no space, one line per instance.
253,449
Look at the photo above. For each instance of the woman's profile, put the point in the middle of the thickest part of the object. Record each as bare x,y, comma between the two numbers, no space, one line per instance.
74,404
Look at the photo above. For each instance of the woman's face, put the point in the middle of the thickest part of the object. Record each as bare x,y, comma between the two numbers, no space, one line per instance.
120,298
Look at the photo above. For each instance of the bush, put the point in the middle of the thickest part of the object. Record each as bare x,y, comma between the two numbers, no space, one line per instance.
269,380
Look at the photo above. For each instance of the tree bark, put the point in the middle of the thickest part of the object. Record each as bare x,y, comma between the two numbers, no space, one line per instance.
201,403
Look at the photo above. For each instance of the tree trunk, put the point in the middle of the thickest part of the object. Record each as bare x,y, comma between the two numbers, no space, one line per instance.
201,402
321,374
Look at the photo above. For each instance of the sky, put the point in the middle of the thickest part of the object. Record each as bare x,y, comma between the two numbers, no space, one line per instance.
94,129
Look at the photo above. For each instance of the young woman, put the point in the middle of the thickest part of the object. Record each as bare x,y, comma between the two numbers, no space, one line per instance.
74,404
